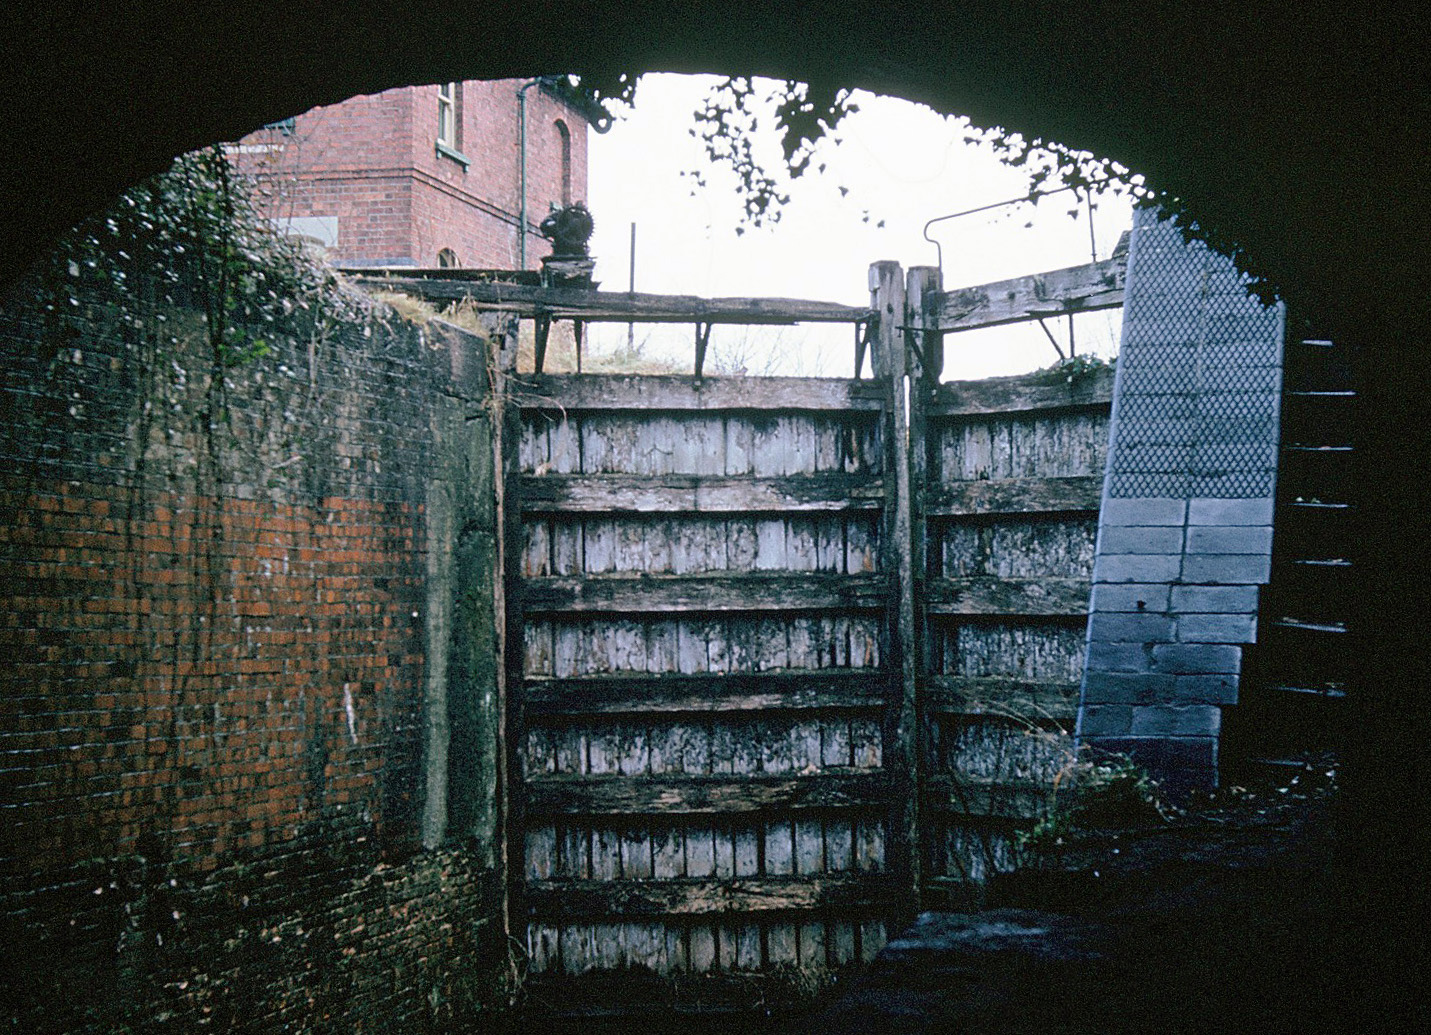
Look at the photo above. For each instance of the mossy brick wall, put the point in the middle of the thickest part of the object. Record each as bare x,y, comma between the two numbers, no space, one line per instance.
226,609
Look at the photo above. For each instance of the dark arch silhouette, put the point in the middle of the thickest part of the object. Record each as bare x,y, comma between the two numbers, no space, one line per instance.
1300,133
1295,132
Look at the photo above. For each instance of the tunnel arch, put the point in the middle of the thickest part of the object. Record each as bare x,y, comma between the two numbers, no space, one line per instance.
1297,133
1241,114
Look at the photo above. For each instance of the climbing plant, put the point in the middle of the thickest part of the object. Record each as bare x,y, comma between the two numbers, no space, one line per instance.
192,236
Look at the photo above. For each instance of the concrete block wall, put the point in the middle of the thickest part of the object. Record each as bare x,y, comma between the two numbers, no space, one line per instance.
1185,528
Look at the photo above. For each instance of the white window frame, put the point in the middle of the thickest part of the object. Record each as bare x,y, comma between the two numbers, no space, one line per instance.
447,115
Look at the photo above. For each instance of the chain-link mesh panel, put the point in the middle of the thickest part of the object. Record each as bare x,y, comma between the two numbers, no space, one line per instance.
1199,377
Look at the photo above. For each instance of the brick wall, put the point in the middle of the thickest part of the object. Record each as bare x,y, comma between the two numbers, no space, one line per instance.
221,749
371,163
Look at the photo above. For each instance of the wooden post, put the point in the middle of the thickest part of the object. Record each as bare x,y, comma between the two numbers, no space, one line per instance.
507,616
922,297
890,363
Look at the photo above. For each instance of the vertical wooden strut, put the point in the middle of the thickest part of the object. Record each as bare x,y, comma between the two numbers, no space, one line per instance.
863,333
543,327
507,617
890,363
926,352
703,338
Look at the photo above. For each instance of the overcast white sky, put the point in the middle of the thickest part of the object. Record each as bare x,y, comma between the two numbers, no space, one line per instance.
901,162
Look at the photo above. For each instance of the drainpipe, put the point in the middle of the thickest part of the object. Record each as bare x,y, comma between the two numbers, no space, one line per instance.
522,218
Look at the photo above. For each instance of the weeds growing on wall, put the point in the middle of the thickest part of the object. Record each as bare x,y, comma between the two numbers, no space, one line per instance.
1074,369
1107,791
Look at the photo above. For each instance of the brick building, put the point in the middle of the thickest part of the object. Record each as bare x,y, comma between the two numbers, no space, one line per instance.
427,175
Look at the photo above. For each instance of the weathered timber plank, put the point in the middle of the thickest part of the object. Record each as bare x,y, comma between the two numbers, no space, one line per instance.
1014,496
673,392
1038,648
1043,390
695,494
696,795
754,591
619,307
684,694
551,899
1078,289
990,695
982,595
997,800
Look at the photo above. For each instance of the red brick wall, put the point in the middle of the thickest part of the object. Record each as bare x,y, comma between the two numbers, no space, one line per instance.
372,162
212,707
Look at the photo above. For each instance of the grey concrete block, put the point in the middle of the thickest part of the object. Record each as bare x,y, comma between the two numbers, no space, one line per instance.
1227,568
1214,599
1105,720
1164,431
1190,659
1226,449
1131,596
1244,483
1205,689
1230,511
1235,316
1230,539
1232,350
1167,539
1169,720
1130,628
1137,567
1129,687
1130,483
1179,764
1139,322
1259,379
1163,374
1207,628
1146,511
1135,456
1118,657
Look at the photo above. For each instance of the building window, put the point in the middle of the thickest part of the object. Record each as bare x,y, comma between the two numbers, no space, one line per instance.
564,139
447,260
449,124
447,115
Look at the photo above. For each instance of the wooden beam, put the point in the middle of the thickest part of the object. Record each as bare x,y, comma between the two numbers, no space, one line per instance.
706,694
747,591
1025,700
988,595
698,494
618,307
701,795
1077,289
572,392
1043,390
1017,496
579,899
980,798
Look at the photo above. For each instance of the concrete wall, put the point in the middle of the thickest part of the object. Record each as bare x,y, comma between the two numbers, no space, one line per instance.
242,786
1185,530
